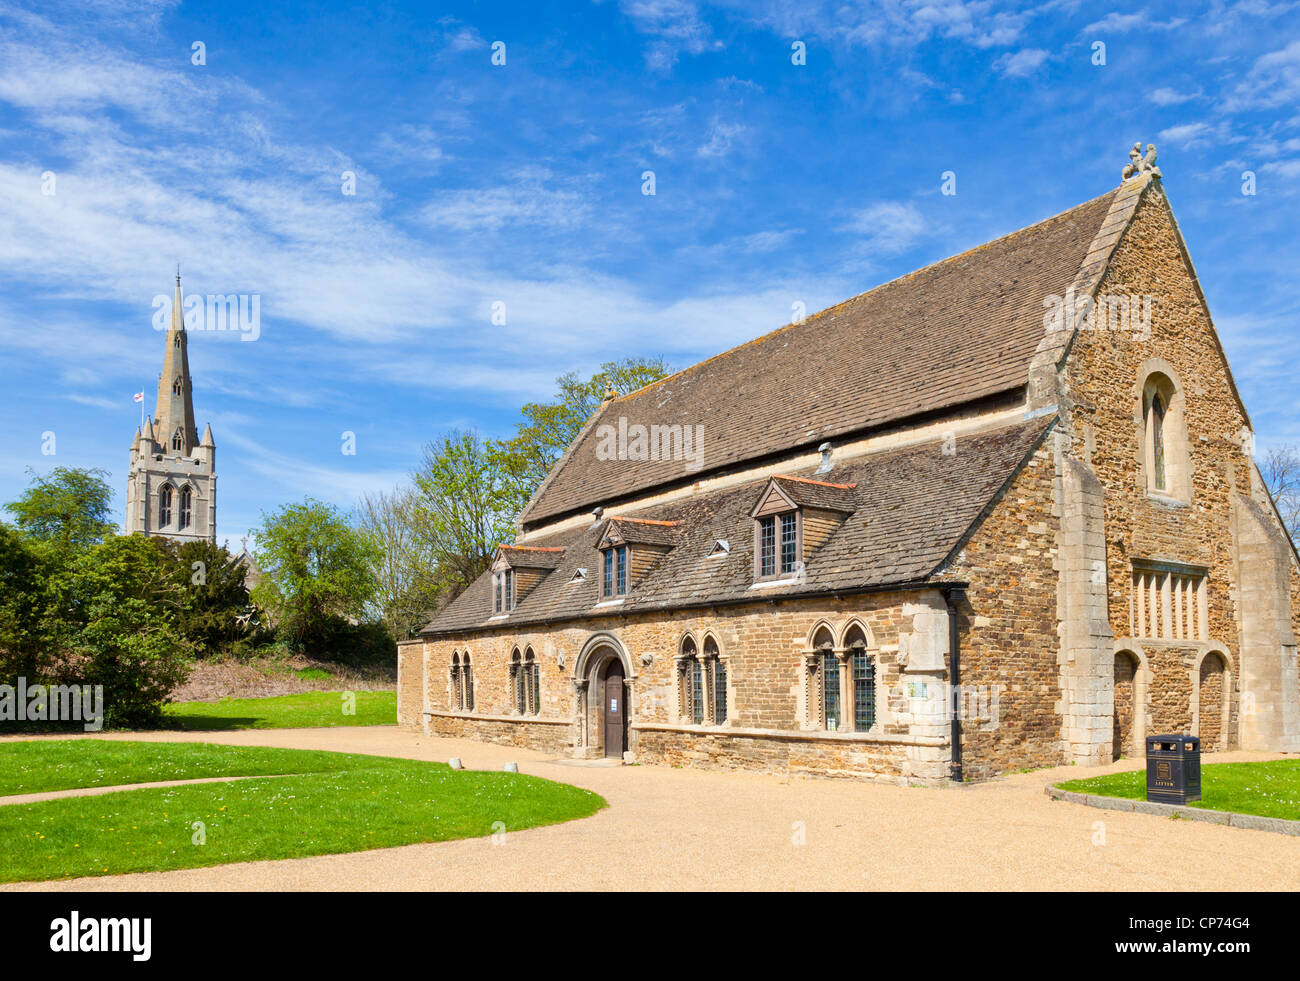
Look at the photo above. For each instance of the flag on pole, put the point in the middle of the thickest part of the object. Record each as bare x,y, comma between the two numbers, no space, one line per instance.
138,397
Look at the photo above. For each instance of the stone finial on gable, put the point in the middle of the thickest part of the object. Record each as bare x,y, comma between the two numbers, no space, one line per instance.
1139,165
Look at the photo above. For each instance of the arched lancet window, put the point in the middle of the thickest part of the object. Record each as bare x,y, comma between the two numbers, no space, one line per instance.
176,342
467,684
717,674
827,689
187,508
165,506
531,683
862,676
178,439
517,681
457,698
176,386
1166,456
690,697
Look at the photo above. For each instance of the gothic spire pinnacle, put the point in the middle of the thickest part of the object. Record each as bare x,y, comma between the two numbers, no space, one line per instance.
175,428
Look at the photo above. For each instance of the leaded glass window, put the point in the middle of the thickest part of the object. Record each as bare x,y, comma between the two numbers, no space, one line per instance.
767,546
719,692
831,690
788,542
697,692
864,690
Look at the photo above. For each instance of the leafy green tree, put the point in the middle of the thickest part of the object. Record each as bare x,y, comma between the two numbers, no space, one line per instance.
318,569
25,646
548,428
215,610
463,509
134,650
68,509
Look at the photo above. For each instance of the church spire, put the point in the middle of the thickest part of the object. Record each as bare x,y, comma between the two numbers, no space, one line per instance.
175,408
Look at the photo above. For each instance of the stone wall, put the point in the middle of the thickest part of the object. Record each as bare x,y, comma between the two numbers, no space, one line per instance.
1103,381
763,647
1009,630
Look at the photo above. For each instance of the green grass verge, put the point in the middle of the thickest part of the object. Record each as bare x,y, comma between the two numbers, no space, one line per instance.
358,803
1269,789
307,710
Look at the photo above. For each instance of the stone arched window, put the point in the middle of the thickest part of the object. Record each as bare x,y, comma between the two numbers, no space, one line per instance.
516,682
1166,461
716,670
185,514
862,679
532,686
825,708
176,386
178,439
467,684
690,683
165,506
457,692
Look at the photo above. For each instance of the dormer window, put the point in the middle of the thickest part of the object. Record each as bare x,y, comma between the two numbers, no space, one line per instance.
778,539
793,518
178,439
615,578
176,386
503,589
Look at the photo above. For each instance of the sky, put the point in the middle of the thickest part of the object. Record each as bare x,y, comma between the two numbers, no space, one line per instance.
439,208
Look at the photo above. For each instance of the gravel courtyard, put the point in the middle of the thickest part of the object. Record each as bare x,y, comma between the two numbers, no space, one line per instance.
688,829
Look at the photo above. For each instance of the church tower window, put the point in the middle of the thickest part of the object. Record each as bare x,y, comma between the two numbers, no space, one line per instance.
186,510
176,386
178,439
165,506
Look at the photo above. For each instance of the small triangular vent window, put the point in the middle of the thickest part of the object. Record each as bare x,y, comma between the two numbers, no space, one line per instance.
579,575
720,547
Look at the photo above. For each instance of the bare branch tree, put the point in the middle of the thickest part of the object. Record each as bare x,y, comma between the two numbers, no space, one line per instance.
1281,471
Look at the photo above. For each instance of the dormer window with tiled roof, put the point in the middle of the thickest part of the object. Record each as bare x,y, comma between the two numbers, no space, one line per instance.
516,570
793,518
629,549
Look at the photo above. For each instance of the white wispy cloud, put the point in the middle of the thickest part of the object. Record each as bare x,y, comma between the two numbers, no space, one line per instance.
1022,63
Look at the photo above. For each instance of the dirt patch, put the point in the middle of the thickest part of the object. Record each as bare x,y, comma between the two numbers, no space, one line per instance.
213,680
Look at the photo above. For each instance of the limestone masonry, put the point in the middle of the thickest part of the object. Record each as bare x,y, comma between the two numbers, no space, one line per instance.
1000,513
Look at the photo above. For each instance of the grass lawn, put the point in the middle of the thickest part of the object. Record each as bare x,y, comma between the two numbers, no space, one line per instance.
1270,789
307,710
332,803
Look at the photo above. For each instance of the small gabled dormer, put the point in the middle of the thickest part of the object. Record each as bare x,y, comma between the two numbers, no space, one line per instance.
793,518
516,571
629,547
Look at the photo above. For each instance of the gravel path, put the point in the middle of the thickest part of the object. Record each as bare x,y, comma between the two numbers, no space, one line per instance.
690,829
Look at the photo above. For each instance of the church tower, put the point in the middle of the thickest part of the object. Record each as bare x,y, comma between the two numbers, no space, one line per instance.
172,483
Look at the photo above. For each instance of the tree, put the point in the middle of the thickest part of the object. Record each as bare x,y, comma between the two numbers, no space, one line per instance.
319,569
549,428
462,510
1281,471
68,509
25,648
214,607
406,571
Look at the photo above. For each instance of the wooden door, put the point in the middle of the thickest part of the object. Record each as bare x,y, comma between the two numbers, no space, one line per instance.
615,710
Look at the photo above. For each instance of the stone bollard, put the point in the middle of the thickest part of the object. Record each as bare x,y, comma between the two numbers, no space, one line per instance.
455,763
512,768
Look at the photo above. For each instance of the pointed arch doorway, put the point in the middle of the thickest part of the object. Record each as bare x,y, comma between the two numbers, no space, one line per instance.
605,705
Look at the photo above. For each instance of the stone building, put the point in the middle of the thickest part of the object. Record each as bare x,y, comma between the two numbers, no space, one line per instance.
171,485
999,513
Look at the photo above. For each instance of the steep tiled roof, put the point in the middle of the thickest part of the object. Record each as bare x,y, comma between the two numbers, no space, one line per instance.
952,333
643,531
912,507
817,493
531,556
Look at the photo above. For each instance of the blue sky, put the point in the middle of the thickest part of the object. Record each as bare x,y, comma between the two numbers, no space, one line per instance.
522,184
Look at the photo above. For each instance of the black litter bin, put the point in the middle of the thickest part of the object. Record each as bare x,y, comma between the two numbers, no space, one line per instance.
1173,769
